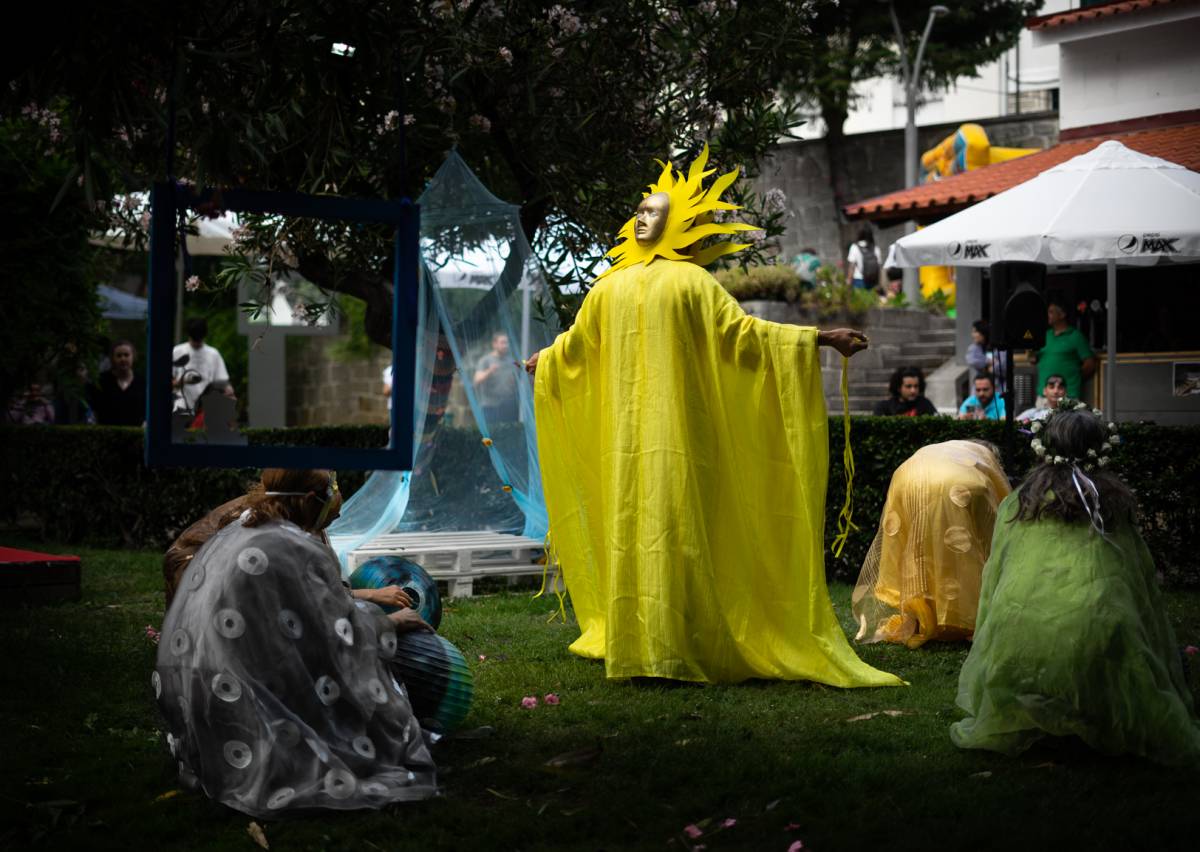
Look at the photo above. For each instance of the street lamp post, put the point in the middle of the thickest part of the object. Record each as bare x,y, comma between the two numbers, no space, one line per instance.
912,77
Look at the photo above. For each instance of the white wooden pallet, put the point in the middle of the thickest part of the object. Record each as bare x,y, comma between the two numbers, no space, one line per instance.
458,558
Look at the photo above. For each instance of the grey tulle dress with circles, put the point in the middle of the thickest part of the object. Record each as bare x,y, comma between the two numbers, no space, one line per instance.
274,682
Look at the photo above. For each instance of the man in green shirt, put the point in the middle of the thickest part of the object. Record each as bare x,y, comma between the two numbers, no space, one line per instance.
1066,352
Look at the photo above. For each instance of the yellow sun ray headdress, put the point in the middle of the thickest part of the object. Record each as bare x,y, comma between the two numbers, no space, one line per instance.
689,220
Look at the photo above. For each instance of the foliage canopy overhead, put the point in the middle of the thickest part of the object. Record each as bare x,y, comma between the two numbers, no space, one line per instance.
561,109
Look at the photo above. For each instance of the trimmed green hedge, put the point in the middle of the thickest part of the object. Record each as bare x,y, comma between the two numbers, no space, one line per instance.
88,483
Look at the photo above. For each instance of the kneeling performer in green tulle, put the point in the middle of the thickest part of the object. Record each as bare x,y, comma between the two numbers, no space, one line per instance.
1072,640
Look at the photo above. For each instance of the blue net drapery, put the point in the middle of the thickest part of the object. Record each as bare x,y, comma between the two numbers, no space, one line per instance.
483,307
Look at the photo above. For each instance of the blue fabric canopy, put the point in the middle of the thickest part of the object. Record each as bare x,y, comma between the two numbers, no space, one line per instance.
479,281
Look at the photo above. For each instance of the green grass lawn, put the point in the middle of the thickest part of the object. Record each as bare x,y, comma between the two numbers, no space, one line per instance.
84,766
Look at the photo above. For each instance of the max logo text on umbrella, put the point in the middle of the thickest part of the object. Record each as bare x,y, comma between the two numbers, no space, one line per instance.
969,250
1151,244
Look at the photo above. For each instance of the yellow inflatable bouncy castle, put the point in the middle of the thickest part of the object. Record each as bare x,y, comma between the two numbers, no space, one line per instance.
963,150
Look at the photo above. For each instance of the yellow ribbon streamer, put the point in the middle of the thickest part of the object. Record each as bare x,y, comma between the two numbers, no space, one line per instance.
552,557
845,523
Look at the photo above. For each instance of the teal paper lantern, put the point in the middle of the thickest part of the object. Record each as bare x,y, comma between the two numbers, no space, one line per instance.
439,684
382,571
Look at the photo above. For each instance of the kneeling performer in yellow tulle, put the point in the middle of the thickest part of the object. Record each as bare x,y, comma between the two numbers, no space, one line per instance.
921,578
683,448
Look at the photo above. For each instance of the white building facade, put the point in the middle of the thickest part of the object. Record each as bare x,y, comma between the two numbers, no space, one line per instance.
1026,79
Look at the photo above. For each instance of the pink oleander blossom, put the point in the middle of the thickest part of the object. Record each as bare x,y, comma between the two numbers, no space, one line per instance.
552,698
152,634
529,702
567,21
693,831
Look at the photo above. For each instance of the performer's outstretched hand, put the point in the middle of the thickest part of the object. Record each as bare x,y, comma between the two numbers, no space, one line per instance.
531,363
845,340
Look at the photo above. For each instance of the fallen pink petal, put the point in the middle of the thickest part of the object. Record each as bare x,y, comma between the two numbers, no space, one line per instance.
552,698
529,702
792,826
693,831
796,846
1191,650
729,822
482,657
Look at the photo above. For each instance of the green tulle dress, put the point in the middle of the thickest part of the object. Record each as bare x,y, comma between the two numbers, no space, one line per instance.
1072,639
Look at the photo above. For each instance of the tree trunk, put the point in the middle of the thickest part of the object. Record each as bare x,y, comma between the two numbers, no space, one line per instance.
835,138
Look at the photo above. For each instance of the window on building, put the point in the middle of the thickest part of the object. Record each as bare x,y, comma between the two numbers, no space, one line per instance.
1034,100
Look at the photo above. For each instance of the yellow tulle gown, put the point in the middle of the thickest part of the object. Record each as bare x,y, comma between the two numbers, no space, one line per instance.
921,578
684,456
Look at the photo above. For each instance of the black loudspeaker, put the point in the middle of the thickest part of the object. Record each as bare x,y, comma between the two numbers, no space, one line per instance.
1018,309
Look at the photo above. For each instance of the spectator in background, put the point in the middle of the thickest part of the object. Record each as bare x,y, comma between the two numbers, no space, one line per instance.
981,356
895,281
984,404
203,367
387,385
1052,394
119,396
863,261
31,408
906,395
1066,352
496,382
71,404
806,265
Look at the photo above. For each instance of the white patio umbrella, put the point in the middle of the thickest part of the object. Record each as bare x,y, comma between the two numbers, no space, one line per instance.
1110,206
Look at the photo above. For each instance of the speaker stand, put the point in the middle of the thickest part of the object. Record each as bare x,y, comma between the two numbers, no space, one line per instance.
1009,413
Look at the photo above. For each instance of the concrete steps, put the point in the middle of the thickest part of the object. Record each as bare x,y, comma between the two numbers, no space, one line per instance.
898,338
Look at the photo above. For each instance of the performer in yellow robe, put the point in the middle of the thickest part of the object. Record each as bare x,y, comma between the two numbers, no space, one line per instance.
683,448
922,575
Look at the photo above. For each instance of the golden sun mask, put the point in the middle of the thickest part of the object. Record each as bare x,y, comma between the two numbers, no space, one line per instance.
675,216
651,218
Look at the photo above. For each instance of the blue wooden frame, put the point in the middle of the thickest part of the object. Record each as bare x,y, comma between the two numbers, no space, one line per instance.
166,201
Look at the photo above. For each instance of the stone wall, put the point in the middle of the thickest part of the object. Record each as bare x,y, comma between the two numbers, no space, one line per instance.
875,165
324,391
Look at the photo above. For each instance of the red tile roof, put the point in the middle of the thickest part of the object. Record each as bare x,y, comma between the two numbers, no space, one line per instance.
1179,144
1091,13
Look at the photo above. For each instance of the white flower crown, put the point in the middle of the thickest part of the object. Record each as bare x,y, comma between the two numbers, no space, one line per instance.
1090,461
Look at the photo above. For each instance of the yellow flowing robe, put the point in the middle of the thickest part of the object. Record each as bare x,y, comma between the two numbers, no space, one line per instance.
922,575
683,447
